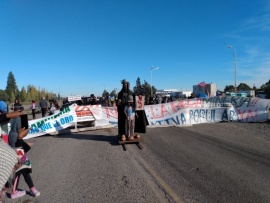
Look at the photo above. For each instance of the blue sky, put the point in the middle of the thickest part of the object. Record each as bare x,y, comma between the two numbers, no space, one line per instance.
82,47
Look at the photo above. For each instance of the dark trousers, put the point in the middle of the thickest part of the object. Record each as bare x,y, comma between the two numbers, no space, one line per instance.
33,113
27,178
43,111
121,121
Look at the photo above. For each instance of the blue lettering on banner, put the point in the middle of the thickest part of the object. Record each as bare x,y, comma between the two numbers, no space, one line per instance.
209,115
67,119
224,115
194,115
177,122
46,126
33,130
232,114
197,115
56,124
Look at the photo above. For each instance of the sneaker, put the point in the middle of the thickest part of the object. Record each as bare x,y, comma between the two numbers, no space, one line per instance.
34,193
18,194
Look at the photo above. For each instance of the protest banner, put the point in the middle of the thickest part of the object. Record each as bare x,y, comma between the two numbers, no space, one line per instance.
183,112
139,102
84,113
66,118
201,110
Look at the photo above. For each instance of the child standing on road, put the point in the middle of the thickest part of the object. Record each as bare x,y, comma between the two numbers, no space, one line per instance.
130,118
23,167
33,108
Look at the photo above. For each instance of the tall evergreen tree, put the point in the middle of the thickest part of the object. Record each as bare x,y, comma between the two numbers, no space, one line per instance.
138,90
147,89
11,87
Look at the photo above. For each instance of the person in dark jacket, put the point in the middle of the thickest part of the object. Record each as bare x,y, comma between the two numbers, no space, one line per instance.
18,105
44,106
122,100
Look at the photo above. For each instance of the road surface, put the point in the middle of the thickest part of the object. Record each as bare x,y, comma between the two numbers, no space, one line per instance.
211,163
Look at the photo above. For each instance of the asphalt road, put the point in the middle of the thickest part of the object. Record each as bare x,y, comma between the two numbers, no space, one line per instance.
211,163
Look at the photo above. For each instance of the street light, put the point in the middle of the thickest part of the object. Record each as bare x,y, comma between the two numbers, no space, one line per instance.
231,47
152,68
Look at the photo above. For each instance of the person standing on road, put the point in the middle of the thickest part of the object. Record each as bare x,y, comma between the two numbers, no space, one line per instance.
93,99
33,108
17,104
130,118
44,106
23,168
122,99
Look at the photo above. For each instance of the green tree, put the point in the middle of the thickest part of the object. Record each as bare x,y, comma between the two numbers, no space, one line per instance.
243,86
113,93
12,87
3,95
12,97
138,89
229,88
147,89
105,93
23,94
32,93
266,88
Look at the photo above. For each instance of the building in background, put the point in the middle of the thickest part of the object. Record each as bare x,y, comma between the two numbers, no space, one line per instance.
203,88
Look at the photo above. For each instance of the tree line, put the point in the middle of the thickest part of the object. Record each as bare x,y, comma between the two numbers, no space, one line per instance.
26,94
29,93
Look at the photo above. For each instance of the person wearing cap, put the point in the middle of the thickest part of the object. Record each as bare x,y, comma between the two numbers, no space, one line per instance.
130,118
